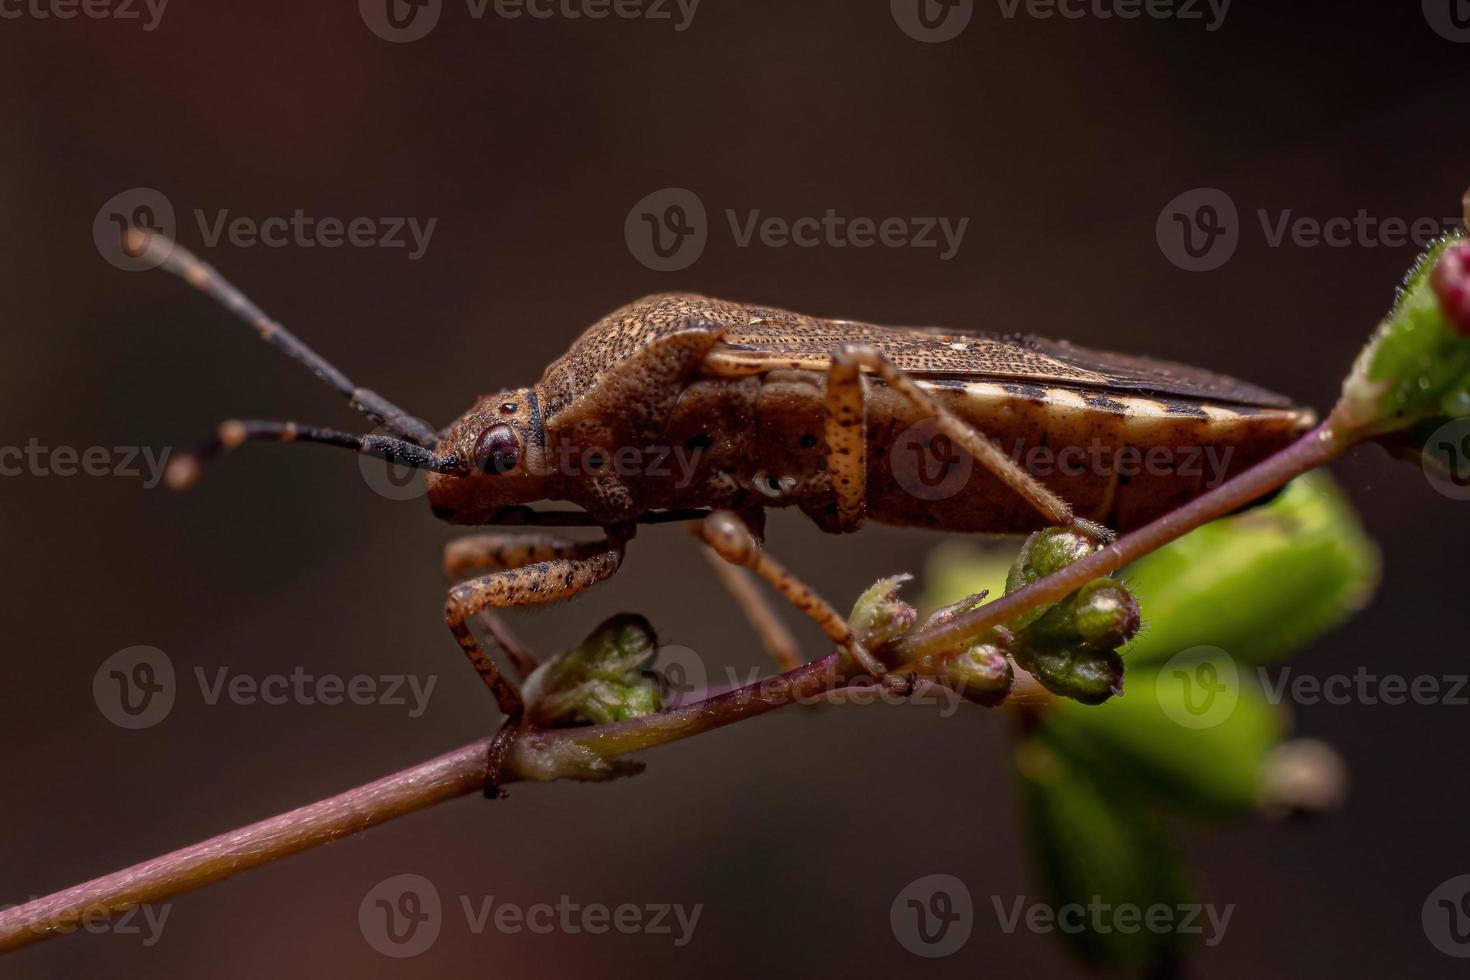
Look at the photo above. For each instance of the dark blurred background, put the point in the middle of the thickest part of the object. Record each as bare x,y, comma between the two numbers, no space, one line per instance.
529,141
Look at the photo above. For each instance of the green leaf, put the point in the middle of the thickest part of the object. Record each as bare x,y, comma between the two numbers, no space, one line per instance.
1193,736
1260,584
1092,845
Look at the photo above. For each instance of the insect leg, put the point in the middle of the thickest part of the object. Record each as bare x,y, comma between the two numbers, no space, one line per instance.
542,581
774,635
731,539
849,359
478,554
847,440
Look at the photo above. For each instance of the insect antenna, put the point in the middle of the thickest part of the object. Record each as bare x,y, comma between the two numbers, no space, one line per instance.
183,471
174,258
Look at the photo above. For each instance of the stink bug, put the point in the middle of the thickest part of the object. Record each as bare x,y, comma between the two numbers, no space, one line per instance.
775,409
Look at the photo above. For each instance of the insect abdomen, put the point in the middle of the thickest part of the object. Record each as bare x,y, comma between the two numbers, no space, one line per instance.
1122,460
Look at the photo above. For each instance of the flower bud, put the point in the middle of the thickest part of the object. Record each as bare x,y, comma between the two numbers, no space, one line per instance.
1083,674
1102,615
983,673
879,616
1451,283
604,679
1045,552
1106,614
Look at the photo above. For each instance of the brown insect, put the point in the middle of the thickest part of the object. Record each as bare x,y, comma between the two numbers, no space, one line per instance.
764,408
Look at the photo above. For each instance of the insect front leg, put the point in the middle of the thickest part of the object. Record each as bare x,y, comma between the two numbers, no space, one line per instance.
847,440
538,582
731,539
478,554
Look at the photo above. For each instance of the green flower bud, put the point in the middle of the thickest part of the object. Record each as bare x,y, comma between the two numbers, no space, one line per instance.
1045,552
605,679
981,674
1102,615
879,616
1081,673
1107,614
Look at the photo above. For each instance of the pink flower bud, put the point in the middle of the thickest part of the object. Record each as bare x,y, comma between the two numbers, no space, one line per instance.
1451,283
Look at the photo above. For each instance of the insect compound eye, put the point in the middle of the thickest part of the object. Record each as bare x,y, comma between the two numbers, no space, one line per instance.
497,450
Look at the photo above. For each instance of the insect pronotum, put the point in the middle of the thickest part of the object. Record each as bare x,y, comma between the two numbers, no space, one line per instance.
774,409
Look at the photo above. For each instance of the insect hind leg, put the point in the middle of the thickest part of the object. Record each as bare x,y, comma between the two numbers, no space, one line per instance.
777,640
847,440
731,539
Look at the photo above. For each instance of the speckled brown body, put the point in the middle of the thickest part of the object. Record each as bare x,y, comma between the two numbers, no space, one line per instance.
679,401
